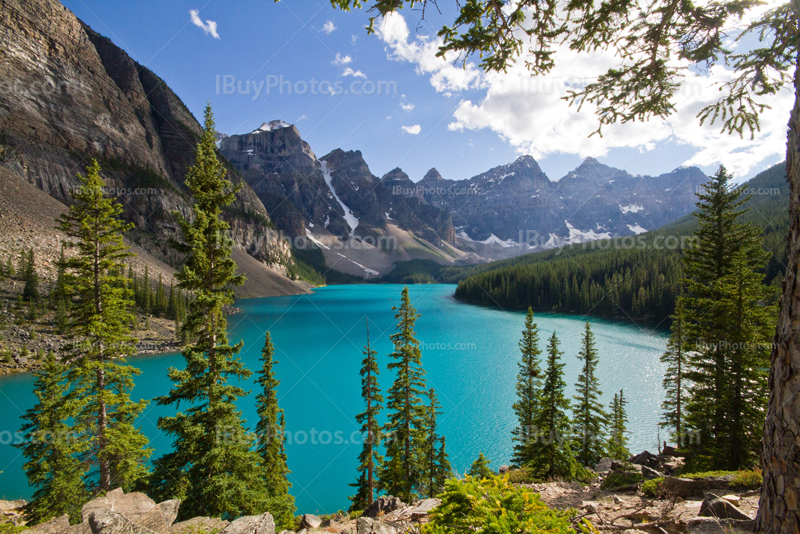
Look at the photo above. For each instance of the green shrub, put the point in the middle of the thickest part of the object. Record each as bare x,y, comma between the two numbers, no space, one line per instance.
652,487
10,528
495,506
355,514
521,476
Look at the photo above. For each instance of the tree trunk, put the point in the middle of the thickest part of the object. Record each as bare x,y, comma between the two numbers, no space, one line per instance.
779,511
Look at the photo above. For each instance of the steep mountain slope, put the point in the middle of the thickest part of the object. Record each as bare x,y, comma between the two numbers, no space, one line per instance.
75,96
362,224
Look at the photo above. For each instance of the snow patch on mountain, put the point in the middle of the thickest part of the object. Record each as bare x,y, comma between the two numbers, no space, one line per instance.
494,240
636,229
579,236
352,220
633,208
271,126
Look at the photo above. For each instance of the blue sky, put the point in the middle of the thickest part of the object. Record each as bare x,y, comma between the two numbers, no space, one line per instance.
430,113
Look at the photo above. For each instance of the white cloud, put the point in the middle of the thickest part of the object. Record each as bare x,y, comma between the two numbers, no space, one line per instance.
413,130
209,27
328,27
531,116
356,73
301,118
407,107
445,76
341,60
353,39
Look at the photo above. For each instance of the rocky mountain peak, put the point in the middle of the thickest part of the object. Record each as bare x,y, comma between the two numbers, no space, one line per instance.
272,126
433,176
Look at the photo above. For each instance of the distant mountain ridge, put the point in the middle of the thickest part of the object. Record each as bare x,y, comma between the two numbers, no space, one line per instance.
506,211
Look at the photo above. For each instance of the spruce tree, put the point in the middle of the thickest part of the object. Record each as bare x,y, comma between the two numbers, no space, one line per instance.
674,384
529,385
436,466
370,458
271,430
212,467
99,318
589,417
617,447
480,468
401,472
51,449
30,292
729,327
551,455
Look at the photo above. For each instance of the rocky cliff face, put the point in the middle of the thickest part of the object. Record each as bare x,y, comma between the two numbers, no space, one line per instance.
71,95
337,192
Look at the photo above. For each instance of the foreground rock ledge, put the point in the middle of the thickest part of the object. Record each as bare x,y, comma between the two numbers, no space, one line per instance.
136,513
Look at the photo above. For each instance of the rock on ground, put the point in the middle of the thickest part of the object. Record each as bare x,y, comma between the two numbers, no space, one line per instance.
383,505
366,525
252,524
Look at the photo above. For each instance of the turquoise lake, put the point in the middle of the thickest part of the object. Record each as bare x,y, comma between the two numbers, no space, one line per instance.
470,355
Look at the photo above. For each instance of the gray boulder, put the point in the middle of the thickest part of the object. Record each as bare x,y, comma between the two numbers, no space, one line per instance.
383,505
366,525
252,524
57,525
137,508
649,474
695,487
715,506
310,522
604,465
109,522
646,458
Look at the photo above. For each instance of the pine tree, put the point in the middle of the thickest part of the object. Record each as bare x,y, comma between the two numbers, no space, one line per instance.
480,468
370,458
401,472
436,466
674,384
212,468
146,304
729,329
10,268
100,319
271,430
589,418
30,292
51,449
617,447
551,455
529,386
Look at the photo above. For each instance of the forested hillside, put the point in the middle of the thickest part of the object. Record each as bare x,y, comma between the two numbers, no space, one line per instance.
633,278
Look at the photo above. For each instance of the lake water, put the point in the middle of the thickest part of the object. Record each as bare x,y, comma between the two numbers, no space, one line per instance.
470,355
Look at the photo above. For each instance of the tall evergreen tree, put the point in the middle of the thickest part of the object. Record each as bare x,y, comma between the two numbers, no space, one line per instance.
30,292
370,458
480,468
529,386
551,455
213,467
729,327
401,472
100,319
436,465
271,430
51,449
589,417
617,447
674,384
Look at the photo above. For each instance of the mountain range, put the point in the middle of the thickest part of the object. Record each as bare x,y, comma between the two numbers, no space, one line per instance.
73,95
513,209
